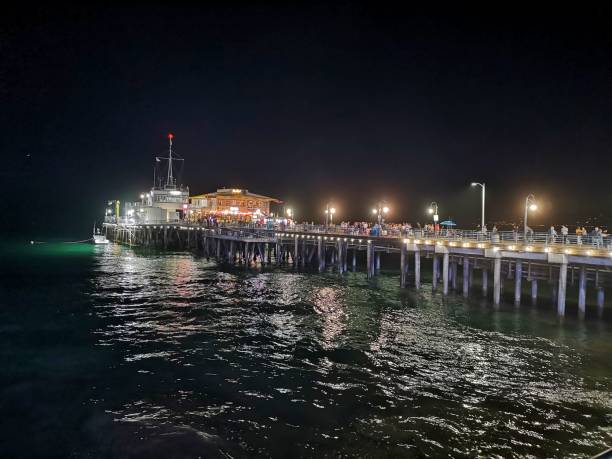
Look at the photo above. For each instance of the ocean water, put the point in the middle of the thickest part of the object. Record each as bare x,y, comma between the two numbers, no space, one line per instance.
111,352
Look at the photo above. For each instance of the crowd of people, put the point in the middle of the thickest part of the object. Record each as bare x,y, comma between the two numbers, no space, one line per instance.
597,237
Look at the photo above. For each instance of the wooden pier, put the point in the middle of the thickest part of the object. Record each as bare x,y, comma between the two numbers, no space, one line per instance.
319,248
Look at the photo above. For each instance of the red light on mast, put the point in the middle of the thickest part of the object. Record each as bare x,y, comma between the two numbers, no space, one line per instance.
170,136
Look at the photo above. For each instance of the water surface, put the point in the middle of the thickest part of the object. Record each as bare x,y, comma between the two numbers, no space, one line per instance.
108,352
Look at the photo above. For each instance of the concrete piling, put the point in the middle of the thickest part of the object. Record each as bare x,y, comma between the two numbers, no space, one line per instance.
582,291
403,260
485,281
466,276
562,287
496,280
435,276
417,269
518,274
445,273
320,254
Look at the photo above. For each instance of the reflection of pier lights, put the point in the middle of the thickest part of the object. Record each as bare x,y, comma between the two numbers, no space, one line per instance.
380,211
329,214
530,204
433,210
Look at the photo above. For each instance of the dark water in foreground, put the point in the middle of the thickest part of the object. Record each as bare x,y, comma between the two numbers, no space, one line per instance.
110,353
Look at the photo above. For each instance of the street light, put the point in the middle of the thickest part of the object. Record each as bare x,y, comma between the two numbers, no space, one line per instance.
530,204
329,214
482,220
381,210
289,212
433,210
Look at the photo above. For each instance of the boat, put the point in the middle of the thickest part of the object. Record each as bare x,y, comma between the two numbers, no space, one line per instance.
99,238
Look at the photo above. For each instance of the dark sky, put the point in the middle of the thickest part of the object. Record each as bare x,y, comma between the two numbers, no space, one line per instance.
351,102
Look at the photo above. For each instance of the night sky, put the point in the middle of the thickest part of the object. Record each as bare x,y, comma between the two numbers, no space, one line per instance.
307,103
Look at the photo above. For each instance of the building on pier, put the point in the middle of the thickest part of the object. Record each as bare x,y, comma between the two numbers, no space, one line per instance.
232,204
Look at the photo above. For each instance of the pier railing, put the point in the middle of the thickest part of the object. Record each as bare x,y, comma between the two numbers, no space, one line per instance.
457,235
450,235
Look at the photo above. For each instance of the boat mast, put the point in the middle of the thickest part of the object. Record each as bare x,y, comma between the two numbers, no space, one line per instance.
170,180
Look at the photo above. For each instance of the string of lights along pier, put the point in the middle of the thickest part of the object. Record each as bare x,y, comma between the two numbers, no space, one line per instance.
239,227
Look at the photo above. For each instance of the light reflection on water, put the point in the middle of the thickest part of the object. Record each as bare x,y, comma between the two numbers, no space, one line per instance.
194,359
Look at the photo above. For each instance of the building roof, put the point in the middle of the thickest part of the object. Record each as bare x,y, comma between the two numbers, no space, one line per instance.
228,192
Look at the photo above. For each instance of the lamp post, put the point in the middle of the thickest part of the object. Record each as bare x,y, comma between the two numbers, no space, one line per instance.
530,204
433,210
482,219
329,214
380,211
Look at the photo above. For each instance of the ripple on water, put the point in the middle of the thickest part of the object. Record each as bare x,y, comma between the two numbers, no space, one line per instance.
192,357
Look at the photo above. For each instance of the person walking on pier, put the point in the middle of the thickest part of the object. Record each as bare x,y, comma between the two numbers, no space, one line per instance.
564,233
597,237
484,231
552,235
580,233
494,234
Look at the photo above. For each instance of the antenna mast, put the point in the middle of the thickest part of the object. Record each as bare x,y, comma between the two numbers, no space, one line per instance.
170,180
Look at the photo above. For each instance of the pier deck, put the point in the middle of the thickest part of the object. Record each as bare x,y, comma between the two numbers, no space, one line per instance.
504,256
